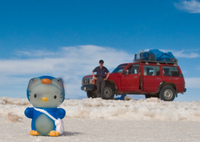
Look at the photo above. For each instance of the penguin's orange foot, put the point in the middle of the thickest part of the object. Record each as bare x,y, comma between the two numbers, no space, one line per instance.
53,133
34,133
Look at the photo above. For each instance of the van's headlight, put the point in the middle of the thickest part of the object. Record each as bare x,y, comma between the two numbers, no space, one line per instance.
91,81
82,82
88,81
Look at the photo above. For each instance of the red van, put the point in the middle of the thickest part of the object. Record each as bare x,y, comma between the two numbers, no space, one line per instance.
153,79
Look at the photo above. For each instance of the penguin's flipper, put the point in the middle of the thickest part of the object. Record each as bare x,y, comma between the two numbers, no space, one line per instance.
34,133
53,133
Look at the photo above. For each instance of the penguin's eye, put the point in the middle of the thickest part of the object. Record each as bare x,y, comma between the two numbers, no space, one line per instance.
35,95
59,80
55,97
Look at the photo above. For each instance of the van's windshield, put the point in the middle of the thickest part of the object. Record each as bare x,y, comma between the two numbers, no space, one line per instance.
120,68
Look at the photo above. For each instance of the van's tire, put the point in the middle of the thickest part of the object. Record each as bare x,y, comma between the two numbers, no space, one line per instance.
167,93
148,96
108,92
91,94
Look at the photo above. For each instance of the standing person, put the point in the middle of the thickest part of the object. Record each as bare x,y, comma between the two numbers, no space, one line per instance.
101,78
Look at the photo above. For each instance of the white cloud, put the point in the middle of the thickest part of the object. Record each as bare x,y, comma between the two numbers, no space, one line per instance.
35,53
192,82
191,6
183,54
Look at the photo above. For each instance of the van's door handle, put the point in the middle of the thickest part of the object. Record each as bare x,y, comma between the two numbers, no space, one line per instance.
135,77
159,78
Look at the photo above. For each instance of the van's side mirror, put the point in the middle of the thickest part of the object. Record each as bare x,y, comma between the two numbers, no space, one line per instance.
124,72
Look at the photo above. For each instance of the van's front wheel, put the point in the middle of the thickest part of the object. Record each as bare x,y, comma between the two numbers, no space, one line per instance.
91,94
108,92
167,93
147,96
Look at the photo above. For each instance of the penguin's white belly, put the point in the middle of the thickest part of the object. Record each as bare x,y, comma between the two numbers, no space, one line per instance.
44,124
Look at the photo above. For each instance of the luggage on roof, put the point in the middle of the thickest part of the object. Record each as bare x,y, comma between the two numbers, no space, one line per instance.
155,55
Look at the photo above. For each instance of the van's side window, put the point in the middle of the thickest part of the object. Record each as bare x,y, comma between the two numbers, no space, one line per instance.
170,71
151,70
134,69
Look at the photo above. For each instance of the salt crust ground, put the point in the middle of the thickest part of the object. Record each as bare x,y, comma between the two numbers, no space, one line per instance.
97,120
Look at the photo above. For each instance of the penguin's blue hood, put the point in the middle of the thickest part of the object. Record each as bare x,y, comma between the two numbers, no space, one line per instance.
51,78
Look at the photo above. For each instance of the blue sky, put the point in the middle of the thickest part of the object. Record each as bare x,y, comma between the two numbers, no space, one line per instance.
67,38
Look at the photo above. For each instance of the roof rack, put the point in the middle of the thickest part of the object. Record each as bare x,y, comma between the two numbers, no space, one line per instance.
159,62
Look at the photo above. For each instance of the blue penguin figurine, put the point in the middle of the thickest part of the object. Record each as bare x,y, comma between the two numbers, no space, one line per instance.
46,93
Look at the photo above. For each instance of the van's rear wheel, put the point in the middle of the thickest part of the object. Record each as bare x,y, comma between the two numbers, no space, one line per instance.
167,93
108,92
91,94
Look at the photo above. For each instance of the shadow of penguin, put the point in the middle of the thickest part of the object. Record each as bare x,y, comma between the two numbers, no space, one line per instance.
70,133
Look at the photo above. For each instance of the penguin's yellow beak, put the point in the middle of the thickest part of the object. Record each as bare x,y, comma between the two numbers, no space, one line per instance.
45,99
46,81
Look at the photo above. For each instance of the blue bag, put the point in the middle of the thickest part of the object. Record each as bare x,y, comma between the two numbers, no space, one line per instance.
161,56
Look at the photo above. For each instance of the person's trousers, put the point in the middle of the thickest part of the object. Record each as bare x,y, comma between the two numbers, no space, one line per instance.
100,86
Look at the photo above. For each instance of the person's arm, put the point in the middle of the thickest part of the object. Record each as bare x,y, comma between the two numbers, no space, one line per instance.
108,73
95,70
94,75
107,76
